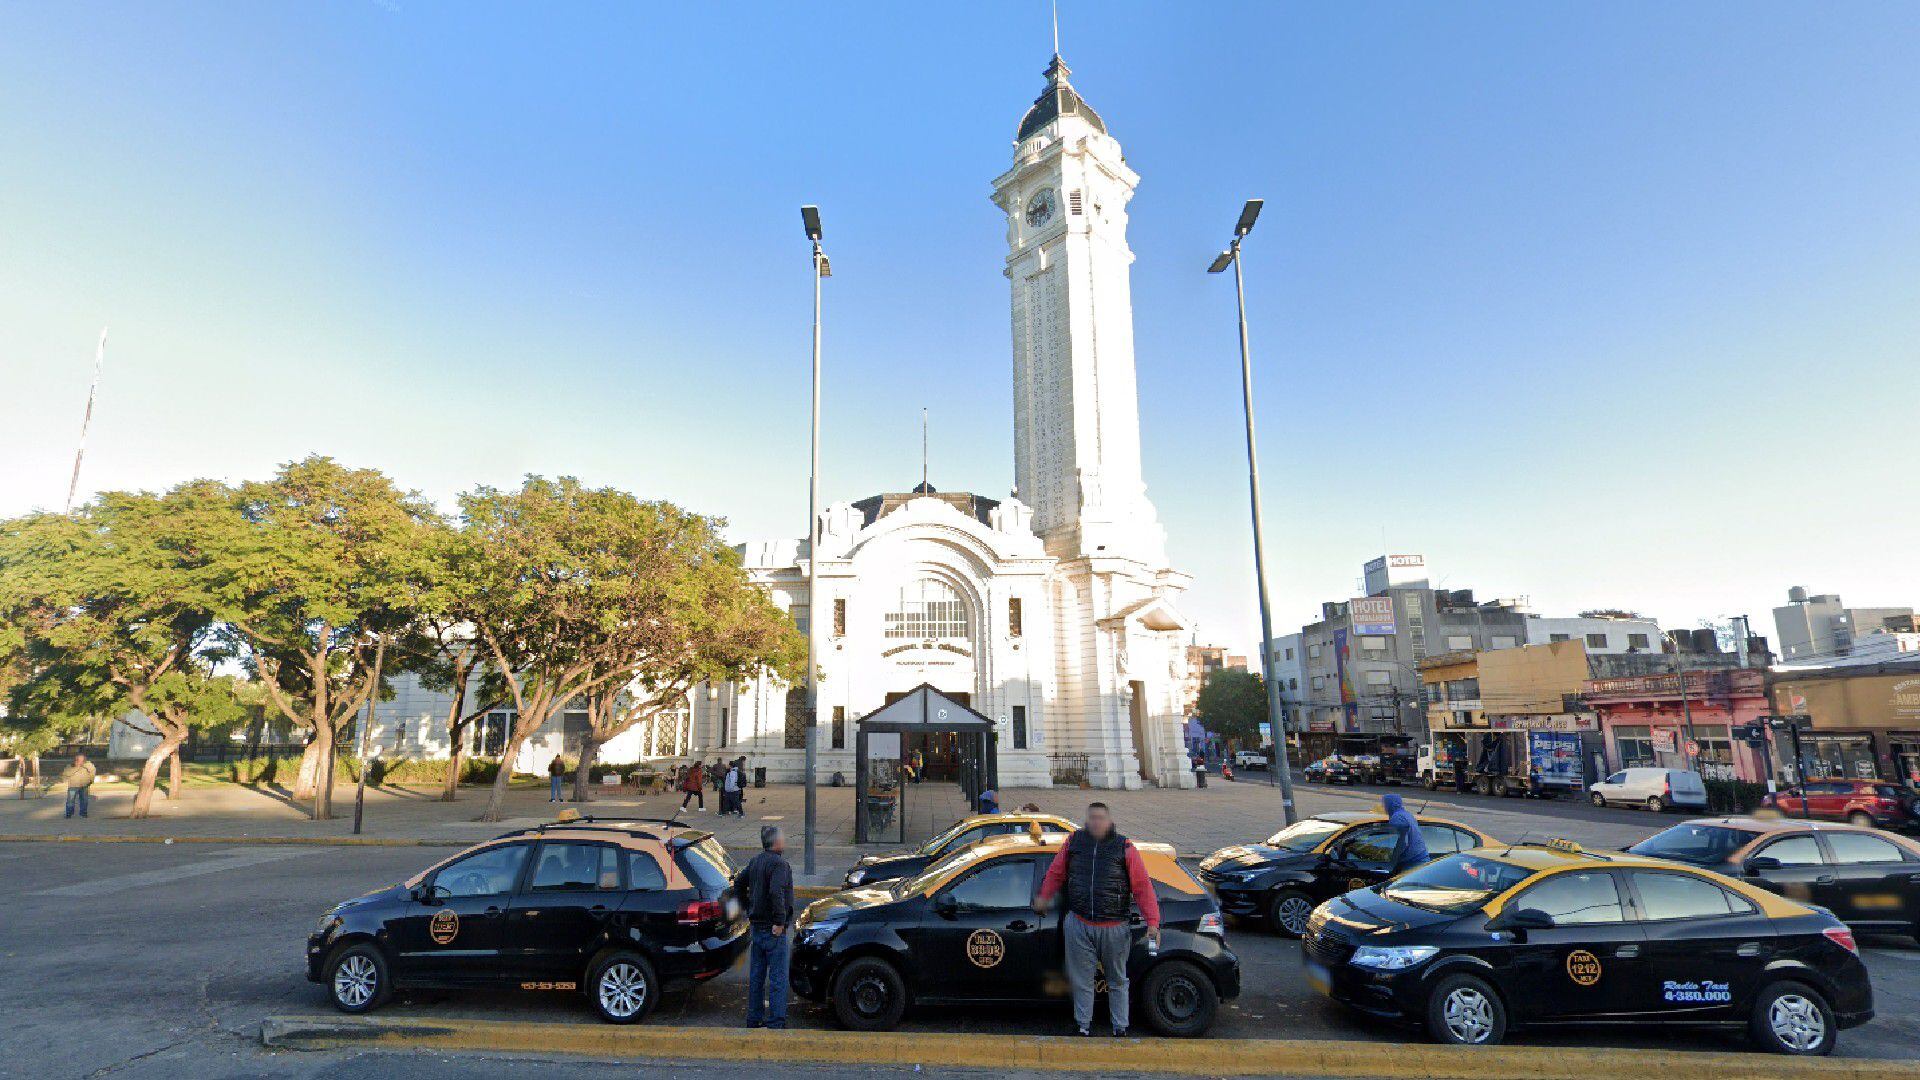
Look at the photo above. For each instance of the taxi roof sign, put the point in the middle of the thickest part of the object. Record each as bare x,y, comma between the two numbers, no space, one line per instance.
1561,843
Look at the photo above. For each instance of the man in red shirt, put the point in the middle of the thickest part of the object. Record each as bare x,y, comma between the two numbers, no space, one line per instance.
1104,878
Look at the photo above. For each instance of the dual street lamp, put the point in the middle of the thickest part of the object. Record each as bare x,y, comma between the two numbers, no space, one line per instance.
1276,714
810,220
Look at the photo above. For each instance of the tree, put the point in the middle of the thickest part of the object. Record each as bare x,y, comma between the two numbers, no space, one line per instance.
310,570
107,619
1233,704
445,652
585,590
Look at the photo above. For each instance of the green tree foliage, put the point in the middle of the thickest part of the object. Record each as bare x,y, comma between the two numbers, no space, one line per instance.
585,591
103,617
1233,705
310,570
443,650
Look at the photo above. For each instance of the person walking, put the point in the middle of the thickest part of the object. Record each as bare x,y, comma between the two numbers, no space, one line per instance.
768,884
1104,878
693,786
1409,846
730,791
556,774
79,780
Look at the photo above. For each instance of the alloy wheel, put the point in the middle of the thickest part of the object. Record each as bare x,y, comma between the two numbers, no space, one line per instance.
1292,913
1797,1022
1469,1015
354,981
623,989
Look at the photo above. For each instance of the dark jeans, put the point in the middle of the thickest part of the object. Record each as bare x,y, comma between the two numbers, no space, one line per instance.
555,797
692,795
767,977
77,797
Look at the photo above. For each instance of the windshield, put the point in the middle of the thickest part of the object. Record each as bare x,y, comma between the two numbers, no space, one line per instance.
934,845
1455,884
1701,845
940,869
1304,835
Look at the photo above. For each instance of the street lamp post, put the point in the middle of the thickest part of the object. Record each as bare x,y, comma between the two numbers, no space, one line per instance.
810,219
1276,715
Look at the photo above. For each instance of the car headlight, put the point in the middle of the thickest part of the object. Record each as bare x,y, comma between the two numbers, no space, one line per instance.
327,922
820,933
858,875
1392,957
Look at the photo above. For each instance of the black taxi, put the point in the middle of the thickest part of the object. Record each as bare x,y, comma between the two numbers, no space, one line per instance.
875,869
1485,940
613,910
964,931
1283,878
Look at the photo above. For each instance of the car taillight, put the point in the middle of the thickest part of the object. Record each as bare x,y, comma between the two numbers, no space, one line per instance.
695,912
1211,923
1842,937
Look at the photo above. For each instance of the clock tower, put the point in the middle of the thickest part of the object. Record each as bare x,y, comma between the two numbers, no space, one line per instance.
1076,423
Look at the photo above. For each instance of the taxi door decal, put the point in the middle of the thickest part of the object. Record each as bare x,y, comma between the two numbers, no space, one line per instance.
986,949
1583,967
443,927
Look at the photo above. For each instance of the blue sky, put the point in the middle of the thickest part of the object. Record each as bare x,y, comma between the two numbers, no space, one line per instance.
1610,305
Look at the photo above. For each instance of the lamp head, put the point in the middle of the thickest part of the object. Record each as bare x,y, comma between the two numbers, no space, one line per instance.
1248,215
1221,262
810,219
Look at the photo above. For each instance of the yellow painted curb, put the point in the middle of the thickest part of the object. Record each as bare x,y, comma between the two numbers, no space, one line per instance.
1205,1057
314,841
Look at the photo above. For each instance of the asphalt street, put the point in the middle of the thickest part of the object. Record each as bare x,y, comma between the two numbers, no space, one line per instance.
128,959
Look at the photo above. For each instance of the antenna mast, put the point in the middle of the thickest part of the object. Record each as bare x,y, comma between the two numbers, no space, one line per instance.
93,388
923,448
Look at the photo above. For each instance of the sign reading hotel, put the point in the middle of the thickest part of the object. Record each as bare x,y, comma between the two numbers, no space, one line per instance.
1371,615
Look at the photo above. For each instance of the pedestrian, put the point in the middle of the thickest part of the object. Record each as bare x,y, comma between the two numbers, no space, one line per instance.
1104,878
768,884
1409,847
919,766
556,773
730,791
79,779
989,801
693,786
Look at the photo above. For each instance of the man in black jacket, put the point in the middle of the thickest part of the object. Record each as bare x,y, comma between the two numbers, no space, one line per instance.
768,884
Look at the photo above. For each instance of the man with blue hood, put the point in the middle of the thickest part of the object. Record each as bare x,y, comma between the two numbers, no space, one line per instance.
1409,847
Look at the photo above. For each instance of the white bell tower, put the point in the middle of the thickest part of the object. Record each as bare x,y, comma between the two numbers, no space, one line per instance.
1076,424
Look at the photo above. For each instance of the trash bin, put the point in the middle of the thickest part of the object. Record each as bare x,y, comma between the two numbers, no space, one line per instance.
760,776
1199,778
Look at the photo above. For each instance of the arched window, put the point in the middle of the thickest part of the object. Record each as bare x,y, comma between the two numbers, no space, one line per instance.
928,608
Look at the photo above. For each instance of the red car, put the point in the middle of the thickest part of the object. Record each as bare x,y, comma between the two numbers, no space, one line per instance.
1860,802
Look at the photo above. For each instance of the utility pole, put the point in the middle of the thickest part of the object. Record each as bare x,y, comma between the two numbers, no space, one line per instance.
1686,706
373,699
810,219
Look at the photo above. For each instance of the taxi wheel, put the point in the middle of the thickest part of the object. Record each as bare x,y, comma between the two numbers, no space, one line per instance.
1792,1018
1289,911
357,979
1465,1011
1180,1000
869,995
623,988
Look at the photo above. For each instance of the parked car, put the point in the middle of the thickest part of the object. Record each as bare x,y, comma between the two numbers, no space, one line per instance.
1858,802
875,869
1329,770
1249,759
1868,878
1655,789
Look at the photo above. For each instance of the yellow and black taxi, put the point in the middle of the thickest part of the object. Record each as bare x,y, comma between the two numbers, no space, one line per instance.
1283,878
964,931
1869,878
877,869
1477,943
614,910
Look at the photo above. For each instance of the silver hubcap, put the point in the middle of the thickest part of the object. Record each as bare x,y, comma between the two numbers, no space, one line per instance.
1796,1021
354,980
1294,913
623,989
1469,1015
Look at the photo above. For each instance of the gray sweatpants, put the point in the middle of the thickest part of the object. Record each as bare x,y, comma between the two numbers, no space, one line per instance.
1107,946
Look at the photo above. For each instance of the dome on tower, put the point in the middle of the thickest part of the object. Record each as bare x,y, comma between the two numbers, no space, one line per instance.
1058,100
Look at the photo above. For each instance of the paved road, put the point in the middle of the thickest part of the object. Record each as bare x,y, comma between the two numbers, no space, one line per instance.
127,959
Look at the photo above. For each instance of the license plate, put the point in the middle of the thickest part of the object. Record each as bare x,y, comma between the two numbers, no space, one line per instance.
1317,977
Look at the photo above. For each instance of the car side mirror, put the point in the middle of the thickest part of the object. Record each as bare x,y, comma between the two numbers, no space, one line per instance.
946,906
1760,864
1522,919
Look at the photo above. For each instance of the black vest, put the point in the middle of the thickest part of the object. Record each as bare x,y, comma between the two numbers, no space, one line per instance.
1097,886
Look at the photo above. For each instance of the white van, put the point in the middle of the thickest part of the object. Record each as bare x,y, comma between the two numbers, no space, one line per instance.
1655,789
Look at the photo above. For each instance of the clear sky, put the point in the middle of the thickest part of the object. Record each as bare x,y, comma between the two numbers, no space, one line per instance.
1610,305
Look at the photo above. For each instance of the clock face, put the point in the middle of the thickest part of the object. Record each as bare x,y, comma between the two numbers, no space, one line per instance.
1040,208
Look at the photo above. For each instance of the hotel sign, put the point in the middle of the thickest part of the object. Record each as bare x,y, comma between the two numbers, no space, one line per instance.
1371,615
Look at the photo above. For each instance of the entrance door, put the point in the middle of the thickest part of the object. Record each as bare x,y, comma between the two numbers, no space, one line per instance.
1142,745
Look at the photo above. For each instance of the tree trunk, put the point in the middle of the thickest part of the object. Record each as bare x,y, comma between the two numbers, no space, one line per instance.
497,797
150,776
303,783
452,787
454,730
323,771
173,774
583,776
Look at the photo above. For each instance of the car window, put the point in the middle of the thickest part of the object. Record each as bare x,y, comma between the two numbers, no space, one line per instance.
1855,847
1441,840
1373,843
483,873
575,866
1617,778
1454,883
1575,898
1701,845
1887,791
1683,896
643,871
1005,883
1794,851
1304,835
708,864
970,836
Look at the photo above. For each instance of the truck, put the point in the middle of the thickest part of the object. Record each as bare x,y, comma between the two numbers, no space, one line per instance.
1543,764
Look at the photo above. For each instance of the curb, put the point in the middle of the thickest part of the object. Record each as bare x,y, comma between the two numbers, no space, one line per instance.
310,841
1199,1057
